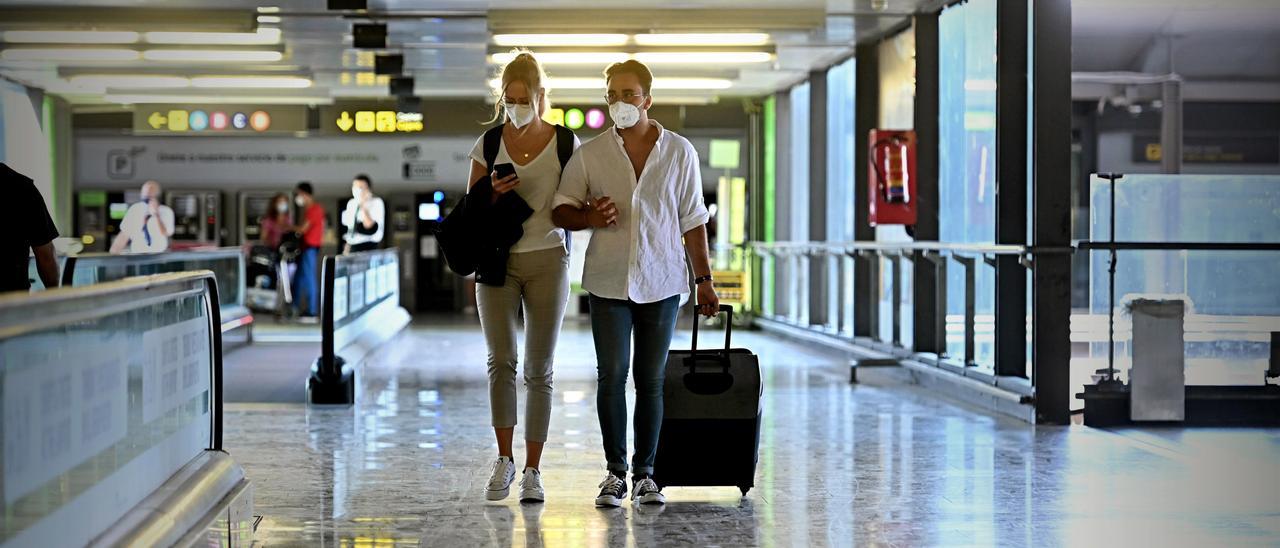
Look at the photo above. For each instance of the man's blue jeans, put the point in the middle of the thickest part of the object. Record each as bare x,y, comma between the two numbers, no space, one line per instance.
612,324
304,283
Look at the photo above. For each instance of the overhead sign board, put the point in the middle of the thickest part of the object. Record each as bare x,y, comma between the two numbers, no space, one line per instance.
218,119
370,118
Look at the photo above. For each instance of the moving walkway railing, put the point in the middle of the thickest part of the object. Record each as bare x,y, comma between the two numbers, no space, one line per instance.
227,265
791,262
112,405
360,306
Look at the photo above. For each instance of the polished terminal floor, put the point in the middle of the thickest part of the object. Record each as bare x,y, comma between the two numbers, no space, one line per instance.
878,463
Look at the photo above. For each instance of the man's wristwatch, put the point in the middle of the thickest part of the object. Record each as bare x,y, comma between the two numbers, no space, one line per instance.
700,279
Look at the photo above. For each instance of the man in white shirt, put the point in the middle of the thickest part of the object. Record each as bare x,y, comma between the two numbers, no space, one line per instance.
147,225
639,187
364,216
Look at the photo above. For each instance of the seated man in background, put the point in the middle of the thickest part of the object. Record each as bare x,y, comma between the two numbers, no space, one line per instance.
147,225
29,229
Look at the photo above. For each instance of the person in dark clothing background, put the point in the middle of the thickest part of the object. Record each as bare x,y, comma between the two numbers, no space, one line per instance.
27,229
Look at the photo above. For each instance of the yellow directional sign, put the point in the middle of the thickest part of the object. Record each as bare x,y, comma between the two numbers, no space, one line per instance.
365,121
345,122
178,120
157,120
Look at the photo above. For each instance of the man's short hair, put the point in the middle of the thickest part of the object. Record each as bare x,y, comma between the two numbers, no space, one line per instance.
631,66
367,181
306,187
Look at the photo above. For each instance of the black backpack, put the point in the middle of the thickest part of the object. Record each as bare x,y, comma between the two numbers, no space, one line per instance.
456,231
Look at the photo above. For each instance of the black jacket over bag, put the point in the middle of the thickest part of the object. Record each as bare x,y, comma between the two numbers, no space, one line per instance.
477,235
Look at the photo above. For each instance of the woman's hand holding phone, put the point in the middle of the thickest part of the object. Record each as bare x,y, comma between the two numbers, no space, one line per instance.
504,180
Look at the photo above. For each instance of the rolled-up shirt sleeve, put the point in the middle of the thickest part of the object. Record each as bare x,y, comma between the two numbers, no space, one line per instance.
573,189
693,210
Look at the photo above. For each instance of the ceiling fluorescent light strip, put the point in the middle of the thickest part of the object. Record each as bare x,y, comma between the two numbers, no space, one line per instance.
545,40
212,55
69,54
264,36
68,37
703,39
658,83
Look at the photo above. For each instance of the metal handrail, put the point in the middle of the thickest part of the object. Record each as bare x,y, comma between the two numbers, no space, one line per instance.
237,316
845,247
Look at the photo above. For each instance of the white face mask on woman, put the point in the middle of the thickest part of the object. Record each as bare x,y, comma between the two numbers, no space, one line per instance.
282,207
624,114
520,115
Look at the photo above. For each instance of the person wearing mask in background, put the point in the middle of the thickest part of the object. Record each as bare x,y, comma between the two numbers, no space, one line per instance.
276,221
147,225
536,273
27,229
639,187
363,217
312,229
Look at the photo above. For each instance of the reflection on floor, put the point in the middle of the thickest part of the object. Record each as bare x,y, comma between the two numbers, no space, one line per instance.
876,463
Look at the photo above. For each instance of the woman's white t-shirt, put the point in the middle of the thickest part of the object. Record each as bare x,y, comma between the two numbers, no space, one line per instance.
539,180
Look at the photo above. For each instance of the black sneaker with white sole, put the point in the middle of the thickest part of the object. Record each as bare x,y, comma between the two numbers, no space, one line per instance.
647,492
613,490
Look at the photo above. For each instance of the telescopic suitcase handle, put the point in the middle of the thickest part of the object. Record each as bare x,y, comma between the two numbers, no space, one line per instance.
728,336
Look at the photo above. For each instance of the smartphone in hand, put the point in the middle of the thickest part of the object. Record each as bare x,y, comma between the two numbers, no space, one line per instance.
504,170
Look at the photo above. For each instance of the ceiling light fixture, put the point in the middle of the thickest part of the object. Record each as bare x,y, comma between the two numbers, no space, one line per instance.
129,81
254,82
264,36
658,83
560,58
704,39
547,40
269,19
69,54
212,55
137,98
708,58
69,37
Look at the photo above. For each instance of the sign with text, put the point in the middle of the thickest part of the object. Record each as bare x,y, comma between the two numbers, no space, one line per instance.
272,162
370,118
218,119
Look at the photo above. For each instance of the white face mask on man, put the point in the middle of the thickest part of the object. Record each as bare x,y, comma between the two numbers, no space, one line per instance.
624,114
520,115
301,202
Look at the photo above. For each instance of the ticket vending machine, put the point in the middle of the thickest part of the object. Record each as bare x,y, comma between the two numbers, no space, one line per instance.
197,218
438,288
402,231
98,216
251,208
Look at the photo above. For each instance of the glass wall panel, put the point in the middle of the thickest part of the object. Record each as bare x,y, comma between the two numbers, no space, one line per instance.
967,104
1232,298
841,100
799,214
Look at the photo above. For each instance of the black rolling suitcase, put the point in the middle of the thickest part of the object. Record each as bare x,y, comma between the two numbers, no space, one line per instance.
711,416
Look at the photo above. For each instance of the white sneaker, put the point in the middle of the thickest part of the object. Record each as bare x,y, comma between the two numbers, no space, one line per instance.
504,472
531,486
612,492
646,492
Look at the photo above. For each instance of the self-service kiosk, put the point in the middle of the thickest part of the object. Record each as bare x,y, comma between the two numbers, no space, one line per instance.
251,208
98,216
197,218
437,288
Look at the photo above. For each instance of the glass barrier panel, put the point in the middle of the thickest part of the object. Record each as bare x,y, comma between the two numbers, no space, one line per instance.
227,267
99,412
1187,208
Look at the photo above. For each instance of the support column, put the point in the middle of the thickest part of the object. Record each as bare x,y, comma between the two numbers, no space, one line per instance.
1051,138
784,302
1011,186
1171,127
866,115
928,324
818,291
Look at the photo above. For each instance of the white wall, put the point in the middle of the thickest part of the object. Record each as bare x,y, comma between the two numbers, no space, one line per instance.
26,147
